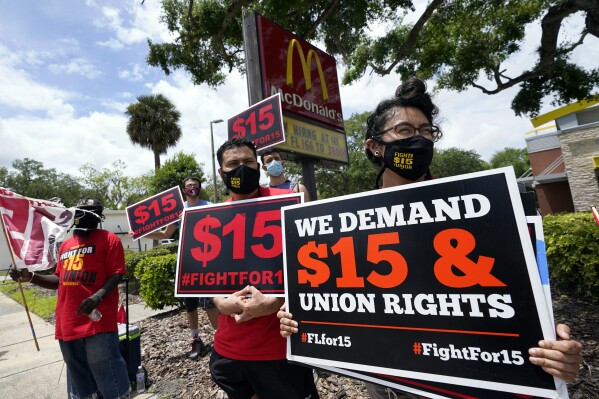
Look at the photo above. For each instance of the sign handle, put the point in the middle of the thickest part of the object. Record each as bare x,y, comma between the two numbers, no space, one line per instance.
14,264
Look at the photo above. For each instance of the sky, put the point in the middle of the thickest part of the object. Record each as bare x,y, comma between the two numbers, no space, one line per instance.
69,69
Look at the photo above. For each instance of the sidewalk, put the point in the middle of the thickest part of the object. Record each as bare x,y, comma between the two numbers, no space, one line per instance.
27,373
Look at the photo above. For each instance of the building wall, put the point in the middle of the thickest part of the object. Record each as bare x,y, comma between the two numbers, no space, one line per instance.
579,145
554,198
116,221
539,161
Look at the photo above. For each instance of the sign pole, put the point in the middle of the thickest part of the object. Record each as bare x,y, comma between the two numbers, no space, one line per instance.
14,264
309,177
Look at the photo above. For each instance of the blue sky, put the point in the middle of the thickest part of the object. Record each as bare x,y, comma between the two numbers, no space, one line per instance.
69,68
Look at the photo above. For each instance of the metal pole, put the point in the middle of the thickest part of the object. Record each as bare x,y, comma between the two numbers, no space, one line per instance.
214,160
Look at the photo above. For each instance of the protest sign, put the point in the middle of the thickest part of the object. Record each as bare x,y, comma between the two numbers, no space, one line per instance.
225,247
262,123
436,390
155,212
433,281
34,228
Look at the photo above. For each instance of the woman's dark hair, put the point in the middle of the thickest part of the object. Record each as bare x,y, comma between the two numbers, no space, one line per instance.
411,93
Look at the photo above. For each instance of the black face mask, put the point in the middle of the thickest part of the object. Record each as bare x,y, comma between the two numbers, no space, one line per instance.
242,179
408,158
86,220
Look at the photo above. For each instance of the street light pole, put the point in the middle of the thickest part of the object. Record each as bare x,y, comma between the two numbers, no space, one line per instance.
213,160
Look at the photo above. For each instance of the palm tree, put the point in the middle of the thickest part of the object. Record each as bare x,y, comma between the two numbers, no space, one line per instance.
154,124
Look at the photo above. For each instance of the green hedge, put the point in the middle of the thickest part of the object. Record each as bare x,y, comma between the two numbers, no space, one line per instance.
133,258
572,241
157,275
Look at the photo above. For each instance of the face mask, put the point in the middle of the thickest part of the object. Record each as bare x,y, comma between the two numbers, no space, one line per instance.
192,191
275,168
408,158
86,220
242,179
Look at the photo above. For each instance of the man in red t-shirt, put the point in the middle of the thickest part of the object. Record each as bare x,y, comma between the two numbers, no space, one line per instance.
90,265
248,358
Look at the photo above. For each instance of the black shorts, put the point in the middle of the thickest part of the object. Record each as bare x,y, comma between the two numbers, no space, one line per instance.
191,303
269,379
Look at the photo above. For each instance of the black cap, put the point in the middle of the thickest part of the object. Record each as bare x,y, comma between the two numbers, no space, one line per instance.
88,202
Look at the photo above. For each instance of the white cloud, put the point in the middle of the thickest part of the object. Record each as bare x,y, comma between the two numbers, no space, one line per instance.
134,74
22,92
198,106
132,24
67,144
76,66
112,44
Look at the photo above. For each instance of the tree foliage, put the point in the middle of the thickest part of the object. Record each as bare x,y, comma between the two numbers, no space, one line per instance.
112,187
457,42
455,161
31,179
516,157
154,124
359,175
173,172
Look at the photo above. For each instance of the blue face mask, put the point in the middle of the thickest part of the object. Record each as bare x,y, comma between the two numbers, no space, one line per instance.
275,168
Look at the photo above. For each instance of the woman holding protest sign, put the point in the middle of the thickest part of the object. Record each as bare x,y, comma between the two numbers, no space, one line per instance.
399,139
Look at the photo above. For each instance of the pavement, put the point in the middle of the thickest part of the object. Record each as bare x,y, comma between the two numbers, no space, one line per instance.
26,372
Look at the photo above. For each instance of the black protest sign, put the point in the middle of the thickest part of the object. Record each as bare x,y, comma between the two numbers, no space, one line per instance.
434,389
155,212
433,281
225,247
262,123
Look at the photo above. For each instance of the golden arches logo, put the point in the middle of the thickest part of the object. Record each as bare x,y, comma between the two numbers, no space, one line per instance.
306,63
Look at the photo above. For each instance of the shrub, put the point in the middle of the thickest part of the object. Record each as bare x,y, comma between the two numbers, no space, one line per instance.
157,278
132,259
572,241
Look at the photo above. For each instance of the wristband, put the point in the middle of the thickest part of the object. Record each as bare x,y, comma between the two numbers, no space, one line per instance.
31,279
98,296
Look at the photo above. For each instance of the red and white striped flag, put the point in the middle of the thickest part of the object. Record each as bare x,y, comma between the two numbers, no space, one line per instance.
595,214
34,229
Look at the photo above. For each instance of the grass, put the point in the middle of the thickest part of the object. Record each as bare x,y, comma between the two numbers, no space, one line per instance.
41,305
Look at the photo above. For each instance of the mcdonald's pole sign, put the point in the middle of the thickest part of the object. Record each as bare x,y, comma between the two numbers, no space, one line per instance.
305,77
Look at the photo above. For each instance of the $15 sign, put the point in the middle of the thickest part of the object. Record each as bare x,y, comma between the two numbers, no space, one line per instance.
261,123
155,212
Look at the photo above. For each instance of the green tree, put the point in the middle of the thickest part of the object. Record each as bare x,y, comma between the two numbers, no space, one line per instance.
3,177
154,124
455,161
31,179
111,186
176,169
516,157
359,175
457,42
221,190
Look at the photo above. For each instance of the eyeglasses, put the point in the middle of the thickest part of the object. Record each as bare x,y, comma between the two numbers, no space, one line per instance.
404,131
192,186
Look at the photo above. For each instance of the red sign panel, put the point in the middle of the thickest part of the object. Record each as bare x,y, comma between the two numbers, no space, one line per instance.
262,123
305,76
155,212
225,247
